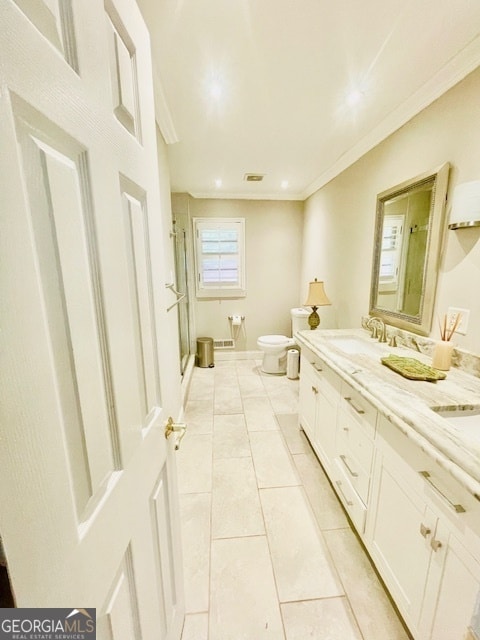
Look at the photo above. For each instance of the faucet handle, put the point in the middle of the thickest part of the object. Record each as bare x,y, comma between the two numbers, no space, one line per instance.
392,342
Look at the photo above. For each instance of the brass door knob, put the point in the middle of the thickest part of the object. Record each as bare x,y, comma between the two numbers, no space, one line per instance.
173,427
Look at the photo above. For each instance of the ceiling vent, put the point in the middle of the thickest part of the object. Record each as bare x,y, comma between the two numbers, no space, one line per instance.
254,177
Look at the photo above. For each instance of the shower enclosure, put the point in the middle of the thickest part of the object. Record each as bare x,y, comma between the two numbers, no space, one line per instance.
181,272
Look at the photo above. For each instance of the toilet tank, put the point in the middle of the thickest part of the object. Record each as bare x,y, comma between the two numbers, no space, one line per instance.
299,319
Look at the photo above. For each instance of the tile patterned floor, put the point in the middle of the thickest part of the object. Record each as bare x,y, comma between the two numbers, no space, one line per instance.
268,551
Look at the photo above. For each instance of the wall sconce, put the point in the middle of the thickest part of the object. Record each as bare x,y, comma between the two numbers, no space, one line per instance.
316,298
465,206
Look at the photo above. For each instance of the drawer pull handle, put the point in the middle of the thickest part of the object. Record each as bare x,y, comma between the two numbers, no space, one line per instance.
314,389
425,531
316,366
354,474
352,403
435,544
456,507
339,485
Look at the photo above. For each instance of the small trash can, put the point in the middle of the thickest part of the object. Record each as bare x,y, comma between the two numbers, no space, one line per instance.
205,352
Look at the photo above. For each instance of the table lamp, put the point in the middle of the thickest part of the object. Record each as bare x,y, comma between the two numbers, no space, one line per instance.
316,298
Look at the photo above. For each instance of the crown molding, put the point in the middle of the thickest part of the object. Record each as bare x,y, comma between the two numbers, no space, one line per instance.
163,115
466,61
225,195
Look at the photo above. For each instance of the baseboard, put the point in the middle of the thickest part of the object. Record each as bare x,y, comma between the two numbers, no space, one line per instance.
237,355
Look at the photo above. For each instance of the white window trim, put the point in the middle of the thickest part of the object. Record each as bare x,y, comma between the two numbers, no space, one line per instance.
227,291
393,226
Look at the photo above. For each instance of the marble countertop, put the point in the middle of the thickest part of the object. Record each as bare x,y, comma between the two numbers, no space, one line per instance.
407,403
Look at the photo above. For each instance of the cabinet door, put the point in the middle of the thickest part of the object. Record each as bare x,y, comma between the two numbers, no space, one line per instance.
325,429
318,399
399,530
453,587
308,390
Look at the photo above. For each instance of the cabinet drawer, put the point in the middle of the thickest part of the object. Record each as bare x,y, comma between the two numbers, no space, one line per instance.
328,382
355,460
431,480
358,408
351,437
349,497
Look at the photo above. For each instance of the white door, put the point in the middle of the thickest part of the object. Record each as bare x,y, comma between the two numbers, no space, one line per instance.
88,512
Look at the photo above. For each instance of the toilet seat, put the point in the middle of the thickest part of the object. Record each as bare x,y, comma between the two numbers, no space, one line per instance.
275,341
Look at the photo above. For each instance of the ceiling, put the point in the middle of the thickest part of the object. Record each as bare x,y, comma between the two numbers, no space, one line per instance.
296,90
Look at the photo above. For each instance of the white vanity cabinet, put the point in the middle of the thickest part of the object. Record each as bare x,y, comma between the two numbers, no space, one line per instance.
419,526
354,451
319,394
453,586
418,522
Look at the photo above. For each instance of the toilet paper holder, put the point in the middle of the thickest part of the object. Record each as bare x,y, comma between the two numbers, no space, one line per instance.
236,320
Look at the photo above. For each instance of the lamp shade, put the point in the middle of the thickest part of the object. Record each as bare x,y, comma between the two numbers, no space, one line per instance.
465,206
316,295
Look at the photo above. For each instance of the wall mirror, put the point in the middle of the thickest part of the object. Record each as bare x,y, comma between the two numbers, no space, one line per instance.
409,230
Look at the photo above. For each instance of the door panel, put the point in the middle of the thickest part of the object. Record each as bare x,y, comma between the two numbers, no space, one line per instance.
136,225
160,516
88,505
122,620
123,73
54,19
54,183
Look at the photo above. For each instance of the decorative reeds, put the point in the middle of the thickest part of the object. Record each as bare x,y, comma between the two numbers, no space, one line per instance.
446,332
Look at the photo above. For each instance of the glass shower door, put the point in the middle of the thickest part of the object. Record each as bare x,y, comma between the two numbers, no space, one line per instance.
181,273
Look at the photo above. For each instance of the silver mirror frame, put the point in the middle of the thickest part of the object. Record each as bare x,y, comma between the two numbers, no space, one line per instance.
421,323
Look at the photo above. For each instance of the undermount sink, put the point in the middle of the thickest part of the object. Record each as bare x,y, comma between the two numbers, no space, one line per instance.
465,420
357,345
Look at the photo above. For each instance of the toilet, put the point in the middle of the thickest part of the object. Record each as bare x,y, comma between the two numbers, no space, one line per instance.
275,347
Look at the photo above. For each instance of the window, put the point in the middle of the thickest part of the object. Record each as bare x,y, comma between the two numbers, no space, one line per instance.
220,257
391,252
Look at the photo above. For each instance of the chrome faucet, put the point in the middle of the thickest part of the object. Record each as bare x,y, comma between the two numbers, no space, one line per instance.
377,325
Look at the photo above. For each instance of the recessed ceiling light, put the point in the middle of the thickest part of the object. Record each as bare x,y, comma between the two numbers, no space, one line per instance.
354,97
284,184
218,182
216,90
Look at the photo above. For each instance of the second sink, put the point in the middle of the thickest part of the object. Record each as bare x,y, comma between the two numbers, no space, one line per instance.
465,420
357,345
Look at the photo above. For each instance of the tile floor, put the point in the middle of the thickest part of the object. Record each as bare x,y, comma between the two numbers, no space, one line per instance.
268,551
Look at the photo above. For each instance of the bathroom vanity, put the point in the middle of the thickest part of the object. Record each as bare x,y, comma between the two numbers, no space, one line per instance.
404,459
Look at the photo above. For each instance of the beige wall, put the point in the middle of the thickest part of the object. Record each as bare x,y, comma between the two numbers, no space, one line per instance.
339,218
273,258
